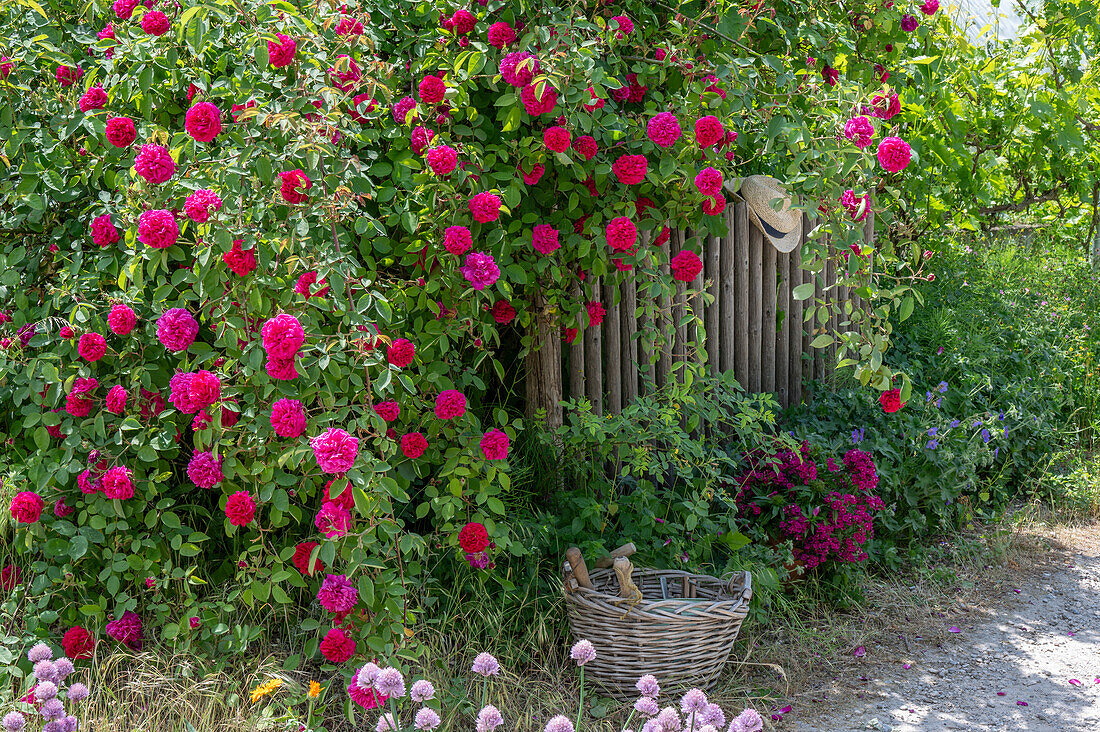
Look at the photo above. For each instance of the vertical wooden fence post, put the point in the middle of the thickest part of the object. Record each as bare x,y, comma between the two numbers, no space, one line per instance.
783,337
741,269
756,306
768,315
712,261
612,360
593,359
628,343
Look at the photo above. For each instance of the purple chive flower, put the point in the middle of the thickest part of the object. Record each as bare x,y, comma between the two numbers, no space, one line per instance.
489,718
366,676
559,723
648,686
45,690
582,652
426,719
78,692
751,721
486,665
693,701
64,667
386,723
668,720
39,652
52,709
45,671
390,683
14,721
646,706
422,691
714,716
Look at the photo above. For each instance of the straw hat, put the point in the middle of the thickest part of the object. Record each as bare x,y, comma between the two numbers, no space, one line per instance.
783,228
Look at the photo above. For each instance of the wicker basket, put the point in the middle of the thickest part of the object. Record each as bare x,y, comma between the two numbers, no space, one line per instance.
683,640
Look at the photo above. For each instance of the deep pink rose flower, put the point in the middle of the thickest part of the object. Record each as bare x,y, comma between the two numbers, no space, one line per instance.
630,169
335,450
240,509
176,329
494,445
283,336
442,160
544,238
288,417
621,234
457,240
894,154
104,232
117,484
282,53
686,266
120,131
709,182
154,163
450,404
26,507
91,347
556,139
157,229
664,129
485,207
199,204
401,353
155,23
203,122
116,400
205,470
94,98
480,270
121,319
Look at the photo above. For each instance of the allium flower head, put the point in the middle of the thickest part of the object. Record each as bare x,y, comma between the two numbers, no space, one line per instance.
647,685
668,720
560,723
365,677
390,683
647,706
489,718
693,701
52,709
14,722
582,652
45,689
426,719
386,723
39,652
422,690
748,721
64,667
486,665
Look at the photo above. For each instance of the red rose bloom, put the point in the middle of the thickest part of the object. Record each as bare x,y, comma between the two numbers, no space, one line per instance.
457,240
891,400
337,646
432,89
621,234
442,160
94,98
708,131
503,312
450,404
401,353
120,131
630,169
596,313
586,146
203,122
686,266
26,507
91,347
294,185
501,34
240,508
485,207
345,500
473,538
389,411
556,139
121,319
78,643
282,53
535,175
413,445
301,558
241,262
155,23
544,238
494,445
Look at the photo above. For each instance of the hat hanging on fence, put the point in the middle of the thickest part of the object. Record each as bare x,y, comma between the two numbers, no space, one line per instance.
783,228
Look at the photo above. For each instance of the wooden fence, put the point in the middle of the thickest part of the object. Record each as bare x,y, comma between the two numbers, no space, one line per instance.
753,326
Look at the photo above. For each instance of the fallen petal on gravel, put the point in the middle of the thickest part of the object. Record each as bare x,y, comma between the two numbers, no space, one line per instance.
859,652
1021,704
1075,682
953,629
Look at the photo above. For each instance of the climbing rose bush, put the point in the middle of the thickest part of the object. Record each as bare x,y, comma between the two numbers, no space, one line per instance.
274,257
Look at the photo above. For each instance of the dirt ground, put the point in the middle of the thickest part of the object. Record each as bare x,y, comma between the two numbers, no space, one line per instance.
1023,653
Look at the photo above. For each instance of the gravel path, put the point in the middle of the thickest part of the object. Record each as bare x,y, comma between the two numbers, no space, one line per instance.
1030,662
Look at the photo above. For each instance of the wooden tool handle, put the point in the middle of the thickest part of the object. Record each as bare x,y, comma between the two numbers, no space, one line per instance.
624,551
580,569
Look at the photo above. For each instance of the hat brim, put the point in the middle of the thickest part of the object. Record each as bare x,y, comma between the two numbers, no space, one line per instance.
784,242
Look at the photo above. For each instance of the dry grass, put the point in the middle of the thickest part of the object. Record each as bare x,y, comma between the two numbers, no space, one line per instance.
805,644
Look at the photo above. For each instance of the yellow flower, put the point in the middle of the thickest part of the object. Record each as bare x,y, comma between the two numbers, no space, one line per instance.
265,688
314,689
